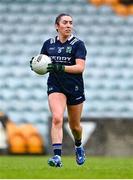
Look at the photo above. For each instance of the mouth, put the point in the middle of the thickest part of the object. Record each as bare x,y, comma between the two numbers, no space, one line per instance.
68,31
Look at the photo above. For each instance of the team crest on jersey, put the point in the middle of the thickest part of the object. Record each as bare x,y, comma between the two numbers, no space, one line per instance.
69,49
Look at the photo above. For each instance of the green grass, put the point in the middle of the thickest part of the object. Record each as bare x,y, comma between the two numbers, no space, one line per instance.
35,167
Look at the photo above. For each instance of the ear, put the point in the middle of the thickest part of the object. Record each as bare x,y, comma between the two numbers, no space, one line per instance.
56,27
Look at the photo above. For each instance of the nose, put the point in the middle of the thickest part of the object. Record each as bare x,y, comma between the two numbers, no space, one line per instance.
69,25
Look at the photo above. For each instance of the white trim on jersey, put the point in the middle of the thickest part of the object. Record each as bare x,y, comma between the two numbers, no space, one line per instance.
68,38
52,40
74,41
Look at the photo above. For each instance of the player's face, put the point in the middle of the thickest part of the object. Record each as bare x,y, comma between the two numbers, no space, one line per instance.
65,26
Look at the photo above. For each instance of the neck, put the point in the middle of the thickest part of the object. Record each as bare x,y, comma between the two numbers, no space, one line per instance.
63,38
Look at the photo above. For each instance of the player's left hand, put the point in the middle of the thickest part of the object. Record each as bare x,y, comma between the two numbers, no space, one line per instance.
58,68
31,63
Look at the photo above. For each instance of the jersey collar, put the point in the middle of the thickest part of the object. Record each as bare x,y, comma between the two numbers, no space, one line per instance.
70,37
67,39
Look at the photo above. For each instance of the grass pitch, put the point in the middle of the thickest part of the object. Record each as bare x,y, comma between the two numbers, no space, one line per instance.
35,167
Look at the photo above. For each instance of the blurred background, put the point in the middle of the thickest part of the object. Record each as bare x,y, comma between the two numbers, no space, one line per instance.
106,27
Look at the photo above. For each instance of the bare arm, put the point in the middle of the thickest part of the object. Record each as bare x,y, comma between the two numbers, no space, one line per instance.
77,68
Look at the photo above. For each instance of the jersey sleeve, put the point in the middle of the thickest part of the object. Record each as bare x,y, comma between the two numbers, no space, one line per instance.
80,51
44,49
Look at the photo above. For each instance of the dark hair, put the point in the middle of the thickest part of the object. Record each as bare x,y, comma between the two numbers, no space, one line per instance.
57,20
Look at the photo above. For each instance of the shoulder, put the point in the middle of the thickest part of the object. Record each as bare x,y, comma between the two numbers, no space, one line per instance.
46,44
76,41
79,47
50,40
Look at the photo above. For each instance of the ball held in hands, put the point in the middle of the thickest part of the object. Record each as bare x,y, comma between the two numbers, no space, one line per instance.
40,63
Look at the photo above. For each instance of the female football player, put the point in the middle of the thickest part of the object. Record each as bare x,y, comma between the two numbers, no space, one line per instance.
65,86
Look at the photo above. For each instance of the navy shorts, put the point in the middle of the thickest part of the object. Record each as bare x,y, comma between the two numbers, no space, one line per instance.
74,96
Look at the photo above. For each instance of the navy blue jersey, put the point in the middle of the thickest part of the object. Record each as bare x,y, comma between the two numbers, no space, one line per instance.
66,54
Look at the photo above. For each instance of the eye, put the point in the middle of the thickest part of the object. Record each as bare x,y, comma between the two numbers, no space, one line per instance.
64,22
67,22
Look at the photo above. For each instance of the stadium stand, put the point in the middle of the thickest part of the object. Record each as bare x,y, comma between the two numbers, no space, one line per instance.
109,76
19,139
120,7
24,139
